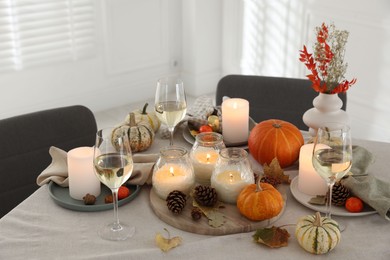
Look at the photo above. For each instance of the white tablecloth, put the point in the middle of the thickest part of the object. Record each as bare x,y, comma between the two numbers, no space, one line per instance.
40,229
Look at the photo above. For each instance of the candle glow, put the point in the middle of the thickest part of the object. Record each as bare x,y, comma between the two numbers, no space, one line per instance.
172,177
229,184
204,163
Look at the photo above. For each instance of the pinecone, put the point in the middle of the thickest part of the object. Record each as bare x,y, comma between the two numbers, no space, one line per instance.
340,194
176,201
196,213
205,195
273,181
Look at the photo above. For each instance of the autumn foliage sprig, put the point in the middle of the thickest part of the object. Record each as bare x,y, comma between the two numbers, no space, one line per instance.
327,65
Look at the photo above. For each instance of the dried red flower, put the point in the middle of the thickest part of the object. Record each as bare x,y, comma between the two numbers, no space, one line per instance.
325,63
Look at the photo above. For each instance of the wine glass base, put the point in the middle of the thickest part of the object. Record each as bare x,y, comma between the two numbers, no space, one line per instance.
124,232
342,225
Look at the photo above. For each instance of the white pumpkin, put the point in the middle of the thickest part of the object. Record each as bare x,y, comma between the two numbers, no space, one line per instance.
143,116
316,234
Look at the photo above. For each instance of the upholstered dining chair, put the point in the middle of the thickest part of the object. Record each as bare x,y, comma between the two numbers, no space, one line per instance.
271,97
24,147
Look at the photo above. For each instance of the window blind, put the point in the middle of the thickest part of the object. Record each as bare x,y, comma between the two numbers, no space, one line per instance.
41,32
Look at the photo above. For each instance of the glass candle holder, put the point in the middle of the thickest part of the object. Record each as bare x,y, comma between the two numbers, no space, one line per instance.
204,155
231,174
173,171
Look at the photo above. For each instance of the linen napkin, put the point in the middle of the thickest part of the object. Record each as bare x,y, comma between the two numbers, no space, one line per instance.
373,191
57,171
196,114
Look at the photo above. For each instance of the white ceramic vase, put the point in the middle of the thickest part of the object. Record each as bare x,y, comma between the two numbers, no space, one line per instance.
327,108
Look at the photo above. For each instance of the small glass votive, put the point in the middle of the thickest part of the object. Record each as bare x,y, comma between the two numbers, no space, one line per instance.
204,155
231,174
173,171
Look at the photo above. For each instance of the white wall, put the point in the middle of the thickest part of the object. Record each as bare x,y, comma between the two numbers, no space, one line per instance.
273,32
139,41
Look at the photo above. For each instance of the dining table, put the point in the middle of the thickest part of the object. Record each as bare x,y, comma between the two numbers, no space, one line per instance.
40,228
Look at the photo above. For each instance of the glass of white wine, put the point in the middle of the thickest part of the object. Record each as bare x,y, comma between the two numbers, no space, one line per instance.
113,165
170,102
332,155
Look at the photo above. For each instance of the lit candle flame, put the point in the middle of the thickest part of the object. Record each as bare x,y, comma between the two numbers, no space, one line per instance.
208,157
235,105
171,171
231,177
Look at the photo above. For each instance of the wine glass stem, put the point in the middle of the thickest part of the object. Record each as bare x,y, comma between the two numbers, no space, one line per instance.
329,200
171,131
116,225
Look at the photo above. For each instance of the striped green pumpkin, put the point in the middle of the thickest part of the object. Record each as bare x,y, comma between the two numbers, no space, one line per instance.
141,135
316,234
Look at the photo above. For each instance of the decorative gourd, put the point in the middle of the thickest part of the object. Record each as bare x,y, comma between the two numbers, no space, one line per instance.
143,116
275,138
316,234
141,135
260,201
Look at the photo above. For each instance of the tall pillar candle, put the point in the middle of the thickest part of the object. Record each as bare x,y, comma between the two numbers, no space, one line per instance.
82,178
235,120
309,181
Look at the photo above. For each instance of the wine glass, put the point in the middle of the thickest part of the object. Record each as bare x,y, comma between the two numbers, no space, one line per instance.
113,165
332,155
170,102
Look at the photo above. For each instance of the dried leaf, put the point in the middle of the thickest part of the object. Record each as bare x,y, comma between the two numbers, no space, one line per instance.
166,244
273,237
275,171
216,218
318,200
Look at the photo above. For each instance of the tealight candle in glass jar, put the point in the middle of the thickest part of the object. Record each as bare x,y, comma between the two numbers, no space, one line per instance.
231,174
173,171
204,155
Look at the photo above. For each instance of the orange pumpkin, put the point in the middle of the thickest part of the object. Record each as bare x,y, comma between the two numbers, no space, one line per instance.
260,201
275,138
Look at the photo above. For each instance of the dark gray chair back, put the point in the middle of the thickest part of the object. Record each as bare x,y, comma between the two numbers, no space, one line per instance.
272,97
24,147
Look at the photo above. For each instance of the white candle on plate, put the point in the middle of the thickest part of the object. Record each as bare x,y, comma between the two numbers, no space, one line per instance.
235,120
228,185
204,164
172,177
309,181
82,178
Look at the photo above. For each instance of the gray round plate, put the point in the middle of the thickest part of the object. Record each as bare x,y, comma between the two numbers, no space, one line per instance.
61,196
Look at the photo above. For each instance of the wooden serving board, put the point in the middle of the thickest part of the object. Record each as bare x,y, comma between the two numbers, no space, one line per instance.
235,222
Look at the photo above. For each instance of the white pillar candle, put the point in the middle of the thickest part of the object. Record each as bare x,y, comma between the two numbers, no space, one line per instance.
235,120
204,164
309,181
82,178
228,185
172,177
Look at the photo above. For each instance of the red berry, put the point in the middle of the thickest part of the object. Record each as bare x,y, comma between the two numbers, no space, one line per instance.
354,204
205,128
123,192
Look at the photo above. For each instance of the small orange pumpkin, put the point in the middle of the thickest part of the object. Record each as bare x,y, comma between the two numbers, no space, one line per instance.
275,138
260,201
